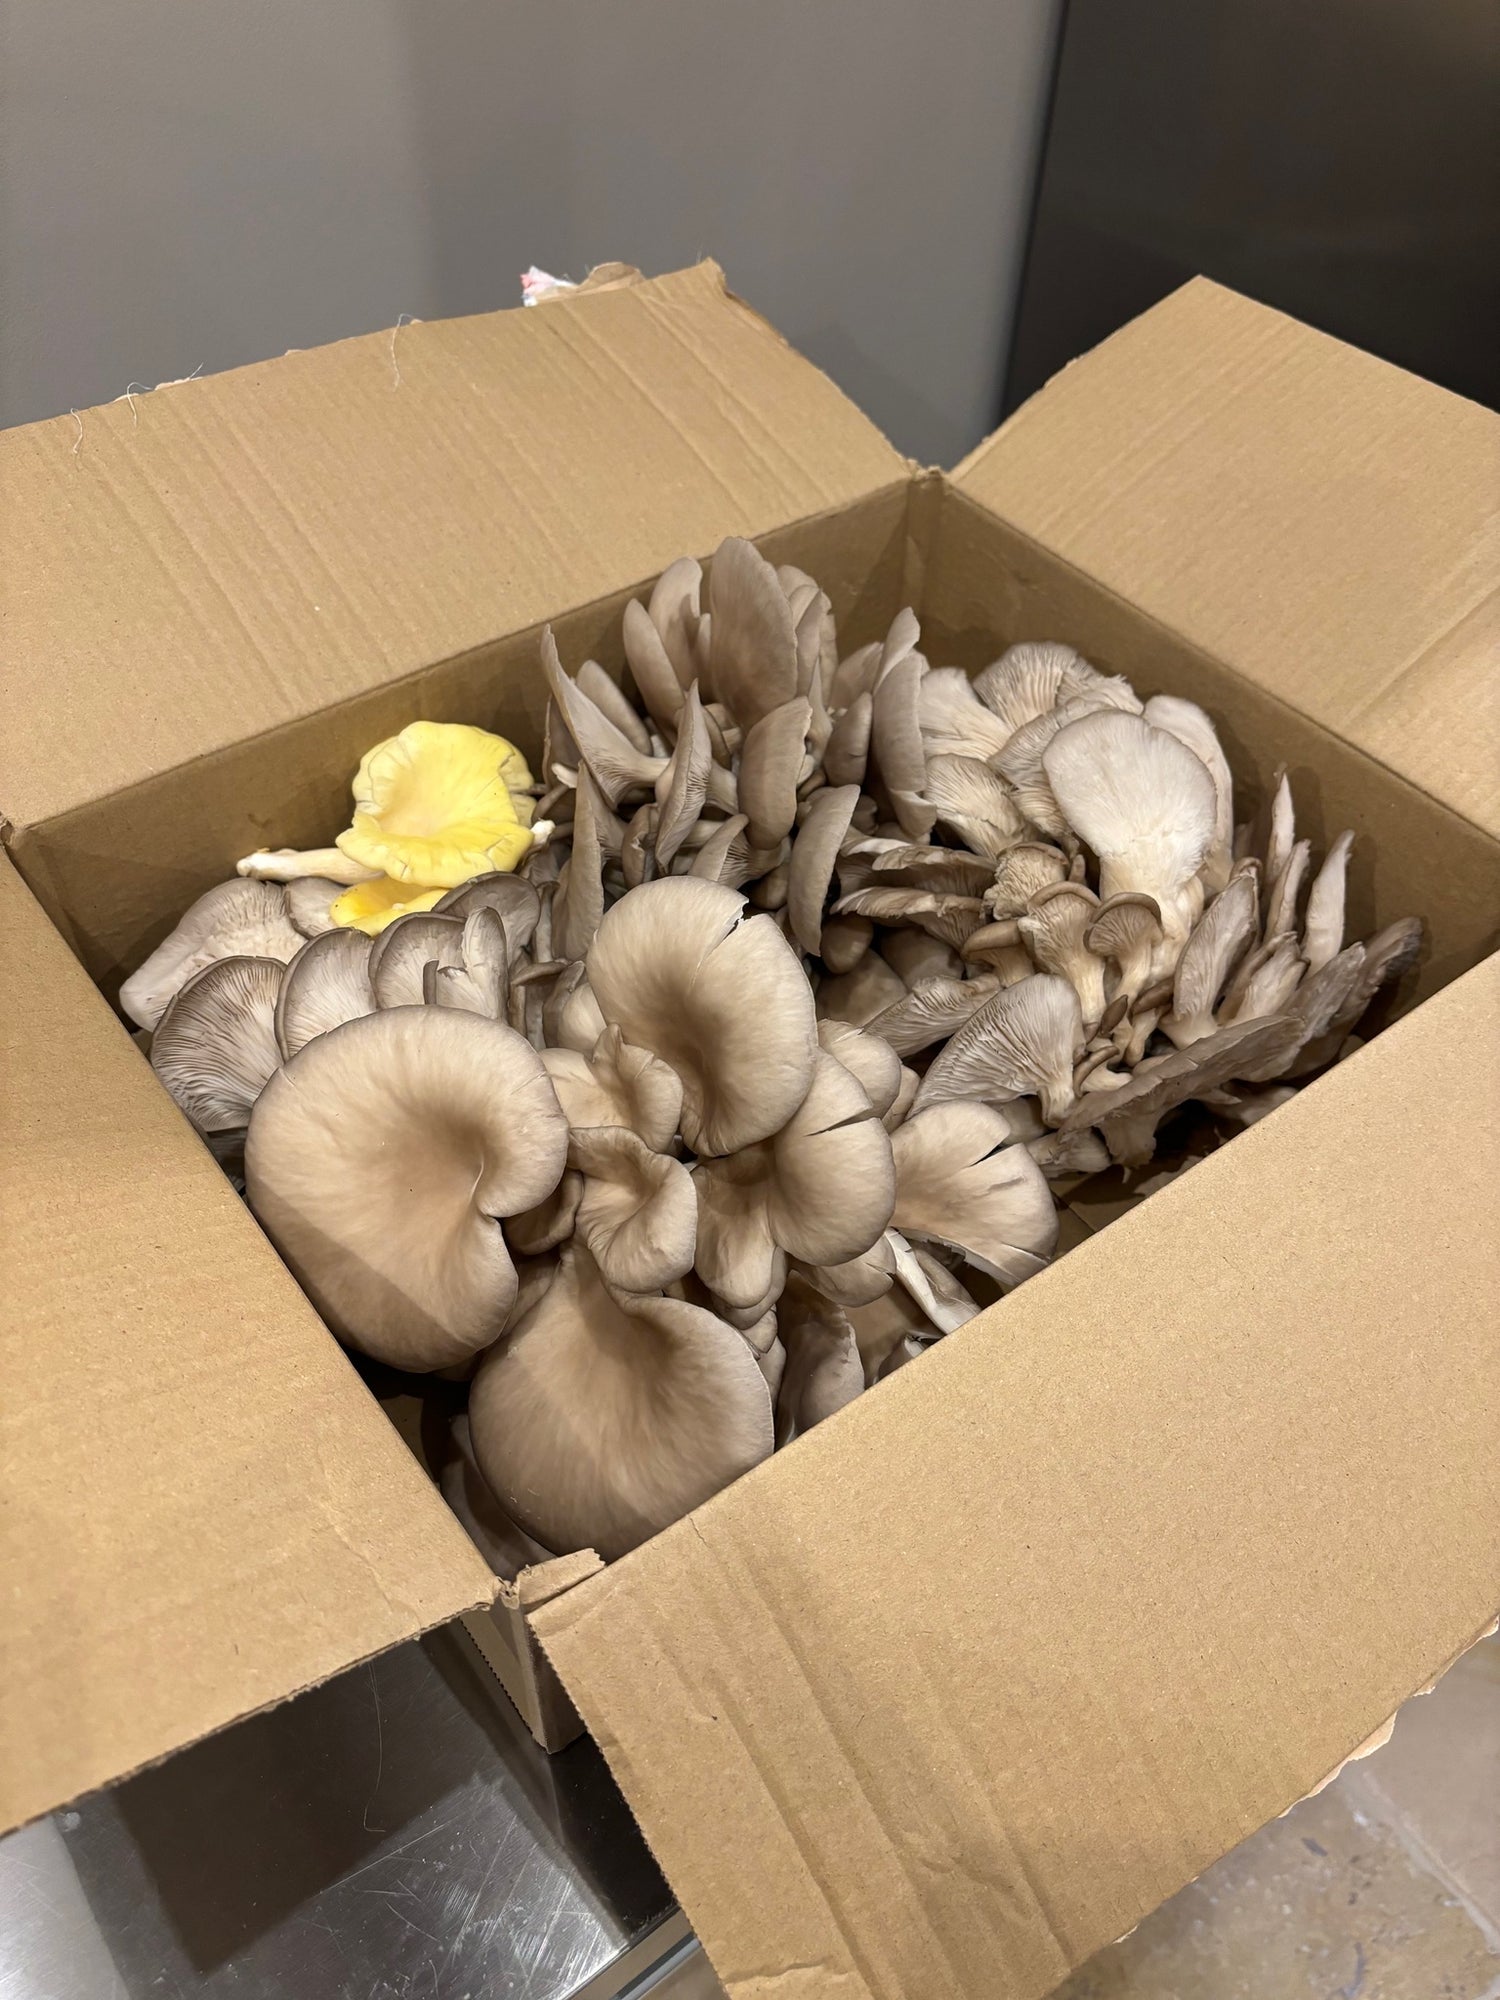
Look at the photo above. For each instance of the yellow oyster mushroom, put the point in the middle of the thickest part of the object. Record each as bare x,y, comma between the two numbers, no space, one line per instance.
370,906
433,806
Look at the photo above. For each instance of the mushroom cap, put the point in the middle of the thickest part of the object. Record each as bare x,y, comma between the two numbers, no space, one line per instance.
1191,725
858,996
1323,924
480,982
514,901
869,1059
683,785
771,769
955,723
720,997
752,636
600,1419
844,941
1022,872
215,1047
651,667
616,1084
823,1370
675,610
1213,949
434,806
309,903
847,751
403,950
240,918
1125,928
814,852
820,1191
1024,1041
948,870
931,1011
1141,799
917,955
1055,927
373,905
960,1181
638,1216
380,1164
326,984
972,799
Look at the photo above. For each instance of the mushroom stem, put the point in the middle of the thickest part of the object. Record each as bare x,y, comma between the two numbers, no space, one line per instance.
286,864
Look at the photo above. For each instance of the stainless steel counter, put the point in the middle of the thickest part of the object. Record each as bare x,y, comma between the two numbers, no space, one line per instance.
395,1835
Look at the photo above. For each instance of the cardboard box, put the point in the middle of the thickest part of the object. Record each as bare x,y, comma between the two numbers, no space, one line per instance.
957,1689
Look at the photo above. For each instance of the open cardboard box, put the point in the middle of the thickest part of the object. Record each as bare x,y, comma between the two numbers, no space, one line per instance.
951,1693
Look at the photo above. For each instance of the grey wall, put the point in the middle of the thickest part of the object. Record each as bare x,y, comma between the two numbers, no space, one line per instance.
196,183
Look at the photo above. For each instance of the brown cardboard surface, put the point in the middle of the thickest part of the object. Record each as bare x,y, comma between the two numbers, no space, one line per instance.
1324,523
201,1507
995,1660
191,568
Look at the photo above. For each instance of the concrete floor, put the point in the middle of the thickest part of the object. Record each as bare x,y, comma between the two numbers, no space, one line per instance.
1384,1887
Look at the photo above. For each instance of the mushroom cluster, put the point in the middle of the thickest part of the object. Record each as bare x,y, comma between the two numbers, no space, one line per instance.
745,1074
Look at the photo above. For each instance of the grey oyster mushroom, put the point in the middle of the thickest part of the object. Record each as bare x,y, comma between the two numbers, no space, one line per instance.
238,919
382,1160
603,1417
326,984
215,1047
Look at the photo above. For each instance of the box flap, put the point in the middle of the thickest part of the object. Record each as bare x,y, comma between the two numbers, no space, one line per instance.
192,568
202,1509
952,1692
1320,521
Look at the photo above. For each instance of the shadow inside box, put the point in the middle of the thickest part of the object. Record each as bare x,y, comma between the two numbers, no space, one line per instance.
372,1802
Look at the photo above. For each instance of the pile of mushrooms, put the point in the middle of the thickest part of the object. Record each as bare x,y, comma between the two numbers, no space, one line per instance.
805,983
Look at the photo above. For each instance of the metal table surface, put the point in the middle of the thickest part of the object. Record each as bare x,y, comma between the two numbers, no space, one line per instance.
394,1835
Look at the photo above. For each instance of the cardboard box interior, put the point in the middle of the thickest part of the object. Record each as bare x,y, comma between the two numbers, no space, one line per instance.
115,872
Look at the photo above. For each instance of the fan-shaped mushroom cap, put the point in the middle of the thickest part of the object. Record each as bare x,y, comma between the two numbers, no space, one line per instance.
819,1191
955,723
950,871
651,668
720,997
601,1419
309,903
1386,956
403,950
869,1059
770,770
638,1216
480,982
535,1231
951,918
379,1162
616,1084
570,1015
814,852
1281,903
1055,927
823,1369
844,942
683,785
944,1302
1029,679
847,752
1126,930
616,763
1145,804
579,902
752,635
975,802
1189,724
856,1280
674,609
960,1181
1061,1155
238,919
931,1011
916,955
896,730
1021,872
514,901
1127,1118
1283,830
1024,1041
1323,926
215,1047
1270,985
1211,953
326,984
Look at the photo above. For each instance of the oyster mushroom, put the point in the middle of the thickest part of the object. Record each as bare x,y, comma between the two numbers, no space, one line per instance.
1055,927
1024,1041
869,1059
770,766
884,1328
820,1190
1323,924
814,852
847,752
309,903
603,1418
1126,930
238,919
1188,723
860,995
616,1084
381,1160
1038,675
960,1181
719,997
400,955
931,1011
1146,805
955,722
944,1302
975,803
1021,872
1281,904
652,669
215,1047
674,608
823,1370
638,1215
1211,953
480,981
844,941
514,901
752,636
326,984
683,785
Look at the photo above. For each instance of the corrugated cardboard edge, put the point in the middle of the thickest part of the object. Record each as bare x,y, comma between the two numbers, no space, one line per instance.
510,1648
